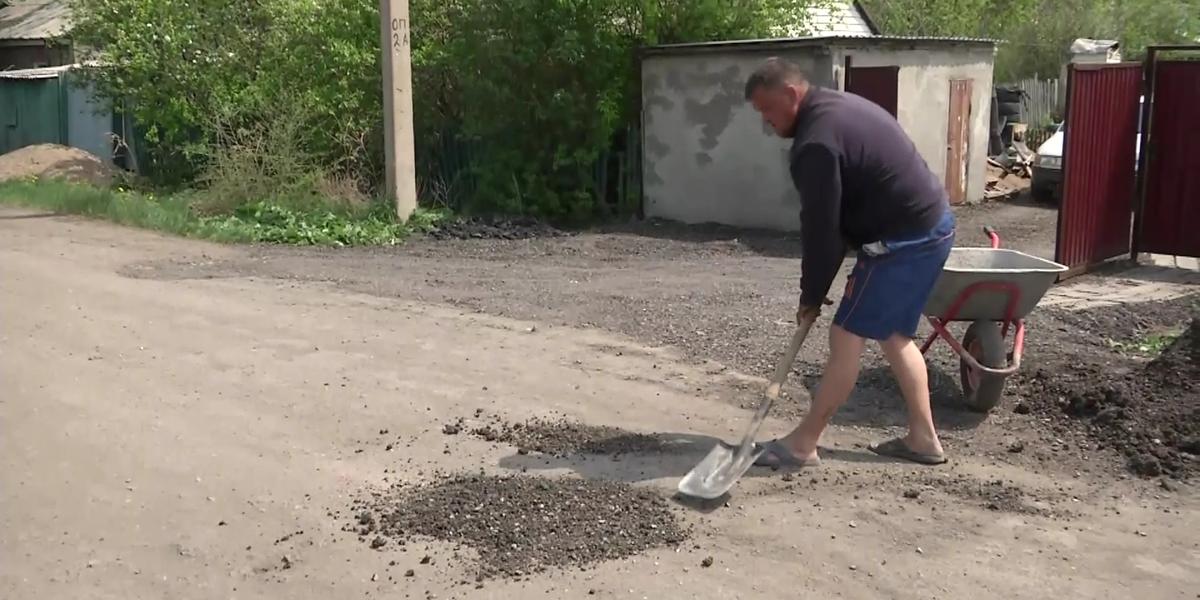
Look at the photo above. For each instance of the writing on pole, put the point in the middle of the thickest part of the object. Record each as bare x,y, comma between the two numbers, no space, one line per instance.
399,34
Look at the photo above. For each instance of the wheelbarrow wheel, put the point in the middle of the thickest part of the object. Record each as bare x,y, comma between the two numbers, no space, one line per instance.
983,341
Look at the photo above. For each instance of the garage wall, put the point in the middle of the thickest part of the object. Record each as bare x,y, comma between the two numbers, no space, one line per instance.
707,155
924,100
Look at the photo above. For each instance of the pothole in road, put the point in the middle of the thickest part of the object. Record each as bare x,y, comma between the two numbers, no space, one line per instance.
566,438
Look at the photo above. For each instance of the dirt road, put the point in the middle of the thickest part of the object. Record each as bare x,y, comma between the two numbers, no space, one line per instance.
182,420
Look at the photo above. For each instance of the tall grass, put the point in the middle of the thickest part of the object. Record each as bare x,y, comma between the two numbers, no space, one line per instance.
169,214
175,214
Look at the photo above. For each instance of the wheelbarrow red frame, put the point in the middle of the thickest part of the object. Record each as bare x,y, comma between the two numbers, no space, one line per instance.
939,323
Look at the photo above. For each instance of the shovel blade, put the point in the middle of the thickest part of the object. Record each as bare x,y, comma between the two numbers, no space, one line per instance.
716,474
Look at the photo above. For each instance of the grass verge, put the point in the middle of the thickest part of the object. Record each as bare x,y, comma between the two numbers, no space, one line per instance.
252,223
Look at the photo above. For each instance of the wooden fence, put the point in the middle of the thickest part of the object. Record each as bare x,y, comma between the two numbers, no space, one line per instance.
1041,108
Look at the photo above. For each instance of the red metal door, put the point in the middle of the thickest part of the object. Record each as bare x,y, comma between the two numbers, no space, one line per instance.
958,140
1099,164
878,84
1170,210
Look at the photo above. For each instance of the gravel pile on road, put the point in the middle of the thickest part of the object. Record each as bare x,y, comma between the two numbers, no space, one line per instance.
478,228
1150,413
522,525
567,438
53,161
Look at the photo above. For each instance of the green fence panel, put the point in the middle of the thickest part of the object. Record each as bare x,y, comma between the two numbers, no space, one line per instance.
31,112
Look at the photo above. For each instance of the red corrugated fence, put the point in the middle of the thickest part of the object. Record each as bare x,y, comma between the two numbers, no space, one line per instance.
1170,220
1095,218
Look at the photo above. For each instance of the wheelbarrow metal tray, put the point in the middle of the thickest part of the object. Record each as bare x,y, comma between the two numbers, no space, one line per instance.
966,267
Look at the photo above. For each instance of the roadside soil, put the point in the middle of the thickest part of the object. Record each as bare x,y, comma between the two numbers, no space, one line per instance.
480,228
186,420
1147,412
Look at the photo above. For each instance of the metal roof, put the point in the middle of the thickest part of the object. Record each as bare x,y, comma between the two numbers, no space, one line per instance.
819,40
38,73
34,19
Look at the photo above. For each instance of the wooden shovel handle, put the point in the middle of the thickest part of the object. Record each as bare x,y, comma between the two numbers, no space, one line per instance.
785,362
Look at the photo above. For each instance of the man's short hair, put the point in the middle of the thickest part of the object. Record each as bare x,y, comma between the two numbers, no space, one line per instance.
774,73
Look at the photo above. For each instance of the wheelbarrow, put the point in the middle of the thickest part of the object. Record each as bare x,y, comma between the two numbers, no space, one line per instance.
994,289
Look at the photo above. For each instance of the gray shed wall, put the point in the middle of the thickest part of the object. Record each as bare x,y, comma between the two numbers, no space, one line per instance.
708,157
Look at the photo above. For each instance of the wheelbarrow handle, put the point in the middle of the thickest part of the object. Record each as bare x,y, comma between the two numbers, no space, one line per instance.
993,236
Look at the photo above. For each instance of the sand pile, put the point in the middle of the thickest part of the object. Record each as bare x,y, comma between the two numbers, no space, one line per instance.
52,161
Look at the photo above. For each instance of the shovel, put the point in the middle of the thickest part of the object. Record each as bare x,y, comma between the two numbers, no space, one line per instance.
724,464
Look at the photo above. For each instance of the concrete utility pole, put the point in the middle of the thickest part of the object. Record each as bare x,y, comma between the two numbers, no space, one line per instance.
399,157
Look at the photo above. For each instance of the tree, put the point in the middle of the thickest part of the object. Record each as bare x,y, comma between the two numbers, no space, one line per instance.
538,90
1036,34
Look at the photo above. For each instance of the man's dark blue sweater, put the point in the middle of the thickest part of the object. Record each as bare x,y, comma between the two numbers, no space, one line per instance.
861,180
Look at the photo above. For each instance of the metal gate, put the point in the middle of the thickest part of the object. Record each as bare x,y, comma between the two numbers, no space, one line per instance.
1099,164
1168,210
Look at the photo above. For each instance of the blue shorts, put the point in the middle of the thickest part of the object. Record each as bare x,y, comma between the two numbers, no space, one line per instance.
886,293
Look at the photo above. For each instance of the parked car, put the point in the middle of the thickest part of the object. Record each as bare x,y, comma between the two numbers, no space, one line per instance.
1048,163
1046,185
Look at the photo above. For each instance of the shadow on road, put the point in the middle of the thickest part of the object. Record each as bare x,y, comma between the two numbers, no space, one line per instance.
877,402
680,453
27,216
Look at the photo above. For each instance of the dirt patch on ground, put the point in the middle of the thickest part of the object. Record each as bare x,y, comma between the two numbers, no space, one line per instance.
522,525
941,490
52,161
494,228
994,495
1122,324
566,438
1149,413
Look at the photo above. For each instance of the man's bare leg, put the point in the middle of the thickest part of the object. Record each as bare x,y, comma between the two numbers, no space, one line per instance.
841,373
908,365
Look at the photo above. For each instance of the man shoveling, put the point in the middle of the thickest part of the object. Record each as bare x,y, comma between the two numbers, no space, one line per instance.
862,184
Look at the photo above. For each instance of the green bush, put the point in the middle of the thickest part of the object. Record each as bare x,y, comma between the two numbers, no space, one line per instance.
515,100
531,93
